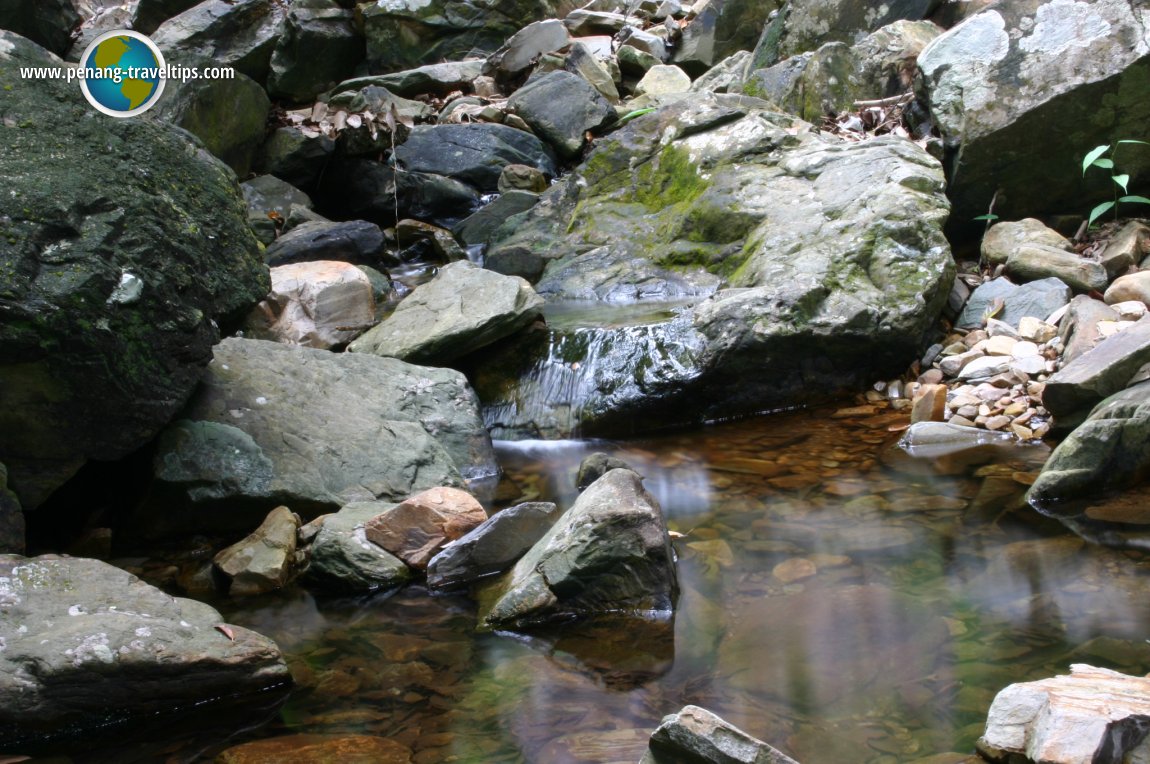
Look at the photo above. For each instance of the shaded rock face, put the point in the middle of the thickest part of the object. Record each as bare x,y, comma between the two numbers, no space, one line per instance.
236,33
835,249
462,309
46,22
696,734
403,33
1050,68
109,289
418,528
149,14
610,552
274,424
473,153
319,48
353,241
88,644
342,559
562,107
11,518
493,546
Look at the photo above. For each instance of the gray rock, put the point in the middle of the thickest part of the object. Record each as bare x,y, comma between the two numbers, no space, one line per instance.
645,42
932,440
493,547
583,62
354,241
1031,262
11,518
727,76
1100,372
371,190
237,33
263,561
992,90
608,553
478,228
886,58
595,466
1079,327
582,22
663,79
525,47
696,734
294,156
473,153
270,201
562,108
614,274
635,61
87,645
1009,302
462,309
342,559
1127,247
433,79
229,115
275,424
319,47
46,22
109,308
1004,239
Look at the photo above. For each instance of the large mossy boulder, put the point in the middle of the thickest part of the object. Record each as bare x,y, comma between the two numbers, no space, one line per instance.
88,647
833,250
122,245
1072,73
276,424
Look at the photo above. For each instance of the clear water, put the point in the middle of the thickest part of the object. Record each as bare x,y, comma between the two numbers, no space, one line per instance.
840,600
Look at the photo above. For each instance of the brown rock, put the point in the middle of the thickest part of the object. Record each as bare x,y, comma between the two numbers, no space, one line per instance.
521,177
929,404
1003,239
794,569
1133,286
315,304
263,561
1125,248
318,749
410,231
416,530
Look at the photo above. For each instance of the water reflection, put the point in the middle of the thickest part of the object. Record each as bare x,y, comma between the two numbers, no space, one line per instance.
842,601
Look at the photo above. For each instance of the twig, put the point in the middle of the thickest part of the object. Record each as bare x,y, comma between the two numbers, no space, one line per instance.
891,101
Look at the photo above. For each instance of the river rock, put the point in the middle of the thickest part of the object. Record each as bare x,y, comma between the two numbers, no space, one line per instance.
110,309
354,241
663,79
562,108
11,518
318,749
1004,239
1079,327
525,47
462,309
1032,262
610,552
473,153
935,439
1134,286
1126,248
87,644
1092,714
595,466
419,527
341,558
1019,69
237,33
1010,302
294,155
319,47
583,62
696,734
493,546
414,32
229,115
263,561
1109,451
478,228
1100,372
433,79
367,189
48,23
276,424
147,15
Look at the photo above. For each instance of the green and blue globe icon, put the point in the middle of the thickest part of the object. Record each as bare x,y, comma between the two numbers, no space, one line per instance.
130,71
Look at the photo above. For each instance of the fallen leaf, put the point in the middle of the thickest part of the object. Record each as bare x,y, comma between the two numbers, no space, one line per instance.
226,630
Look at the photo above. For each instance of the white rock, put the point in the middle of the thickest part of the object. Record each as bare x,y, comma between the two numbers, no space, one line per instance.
317,304
663,79
1030,365
1024,349
1030,328
1110,328
988,366
1130,310
1000,345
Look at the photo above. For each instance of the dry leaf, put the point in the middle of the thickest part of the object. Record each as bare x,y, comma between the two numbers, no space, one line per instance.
226,630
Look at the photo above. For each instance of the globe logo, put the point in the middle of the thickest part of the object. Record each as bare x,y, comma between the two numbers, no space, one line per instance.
122,73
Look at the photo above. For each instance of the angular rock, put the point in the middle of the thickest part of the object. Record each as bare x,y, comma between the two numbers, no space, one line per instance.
993,90
727,76
1092,714
434,79
355,241
461,310
805,26
1032,262
1126,248
1100,372
237,33
474,153
149,14
294,156
651,46
525,47
929,404
610,552
1079,330
419,527
312,748
342,559
11,518
318,304
634,61
1010,302
275,424
663,79
319,47
520,177
562,108
581,61
263,561
111,290
886,59
582,23
1004,239
87,645
696,734
492,547
46,22
595,466
441,241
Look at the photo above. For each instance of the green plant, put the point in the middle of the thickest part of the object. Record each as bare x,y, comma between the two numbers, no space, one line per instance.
1097,158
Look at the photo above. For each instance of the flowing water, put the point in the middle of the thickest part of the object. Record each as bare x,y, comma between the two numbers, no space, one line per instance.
841,600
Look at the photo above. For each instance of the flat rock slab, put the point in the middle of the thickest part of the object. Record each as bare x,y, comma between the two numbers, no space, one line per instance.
82,641
1010,302
493,546
696,734
1100,372
473,153
1091,715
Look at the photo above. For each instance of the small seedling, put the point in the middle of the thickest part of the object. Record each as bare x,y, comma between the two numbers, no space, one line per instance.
1097,158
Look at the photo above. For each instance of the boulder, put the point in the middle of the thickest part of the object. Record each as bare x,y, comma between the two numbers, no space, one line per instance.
112,292
1108,452
583,62
11,518
403,33
341,558
595,466
274,424
1004,239
1047,68
88,646
319,47
270,202
609,553
696,734
409,234
46,22
367,189
353,241
432,79
294,155
237,33
727,76
562,108
1099,372
263,561
419,527
319,304
311,748
1092,714
1008,302
1032,262
525,47
462,309
1126,248
229,115
582,22
663,79
473,153
493,546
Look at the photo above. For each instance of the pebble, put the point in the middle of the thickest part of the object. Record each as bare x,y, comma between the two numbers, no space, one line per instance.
1031,328
794,569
